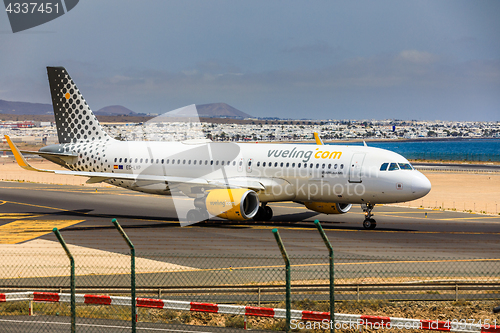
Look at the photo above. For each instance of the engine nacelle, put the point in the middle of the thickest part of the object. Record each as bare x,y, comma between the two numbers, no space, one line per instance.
328,207
232,204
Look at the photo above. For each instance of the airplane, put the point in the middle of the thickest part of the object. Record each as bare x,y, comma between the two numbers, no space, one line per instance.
233,181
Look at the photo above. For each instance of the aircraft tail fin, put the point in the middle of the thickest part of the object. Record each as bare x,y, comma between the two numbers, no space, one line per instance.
75,121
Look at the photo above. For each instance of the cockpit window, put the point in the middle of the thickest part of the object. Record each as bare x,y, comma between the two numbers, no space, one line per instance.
393,166
384,167
405,166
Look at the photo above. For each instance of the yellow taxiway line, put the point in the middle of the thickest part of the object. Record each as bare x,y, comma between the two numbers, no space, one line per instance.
11,216
20,231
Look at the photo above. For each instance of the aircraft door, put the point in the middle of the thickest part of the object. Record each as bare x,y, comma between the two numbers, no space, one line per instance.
355,167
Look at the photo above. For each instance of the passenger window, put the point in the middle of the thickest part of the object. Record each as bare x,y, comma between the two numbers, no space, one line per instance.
189,162
384,167
287,165
228,162
234,163
317,165
341,166
115,159
222,163
217,162
211,162
183,161
405,166
120,159
311,165
178,161
201,162
258,164
136,160
206,162
241,163
173,161
168,161
249,163
281,164
329,166
293,165
323,166
263,164
194,162
162,161
393,166
299,165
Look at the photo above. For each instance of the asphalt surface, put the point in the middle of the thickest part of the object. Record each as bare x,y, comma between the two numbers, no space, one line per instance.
29,211
84,216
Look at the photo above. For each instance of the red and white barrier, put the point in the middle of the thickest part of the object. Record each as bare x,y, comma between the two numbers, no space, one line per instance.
342,321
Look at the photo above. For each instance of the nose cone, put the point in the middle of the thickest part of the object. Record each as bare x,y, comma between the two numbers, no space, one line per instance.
420,185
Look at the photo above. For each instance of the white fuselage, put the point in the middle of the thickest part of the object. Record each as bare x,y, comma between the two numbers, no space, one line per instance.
298,172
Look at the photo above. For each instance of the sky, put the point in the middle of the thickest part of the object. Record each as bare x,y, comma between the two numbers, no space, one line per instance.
423,60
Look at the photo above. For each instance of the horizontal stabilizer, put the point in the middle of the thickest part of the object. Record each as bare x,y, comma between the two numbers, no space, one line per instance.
95,180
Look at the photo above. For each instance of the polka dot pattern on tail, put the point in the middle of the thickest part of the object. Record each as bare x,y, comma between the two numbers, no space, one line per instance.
71,111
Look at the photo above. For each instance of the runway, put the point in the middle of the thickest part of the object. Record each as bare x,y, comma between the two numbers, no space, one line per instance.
29,211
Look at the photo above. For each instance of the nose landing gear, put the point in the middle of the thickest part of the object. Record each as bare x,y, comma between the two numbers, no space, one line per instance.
369,223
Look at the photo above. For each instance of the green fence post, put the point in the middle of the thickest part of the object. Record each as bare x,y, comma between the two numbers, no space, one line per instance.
332,280
132,273
72,279
288,278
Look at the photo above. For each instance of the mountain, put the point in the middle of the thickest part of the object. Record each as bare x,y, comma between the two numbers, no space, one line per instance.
214,110
114,110
220,110
20,108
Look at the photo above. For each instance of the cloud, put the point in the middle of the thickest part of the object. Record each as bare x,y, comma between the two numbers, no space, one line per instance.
119,79
318,47
415,81
417,57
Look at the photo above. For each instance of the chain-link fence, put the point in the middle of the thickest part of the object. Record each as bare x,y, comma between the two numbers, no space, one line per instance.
430,288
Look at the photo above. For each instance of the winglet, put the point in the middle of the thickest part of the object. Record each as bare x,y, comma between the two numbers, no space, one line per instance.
19,157
318,139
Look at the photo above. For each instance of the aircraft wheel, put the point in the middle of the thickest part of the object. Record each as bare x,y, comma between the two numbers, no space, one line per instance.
369,224
268,213
260,214
204,215
193,215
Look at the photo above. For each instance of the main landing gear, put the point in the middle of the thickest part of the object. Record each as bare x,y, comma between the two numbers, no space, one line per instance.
369,223
265,213
197,215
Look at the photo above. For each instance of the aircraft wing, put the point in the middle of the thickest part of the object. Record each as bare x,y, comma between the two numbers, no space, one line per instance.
97,177
318,139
